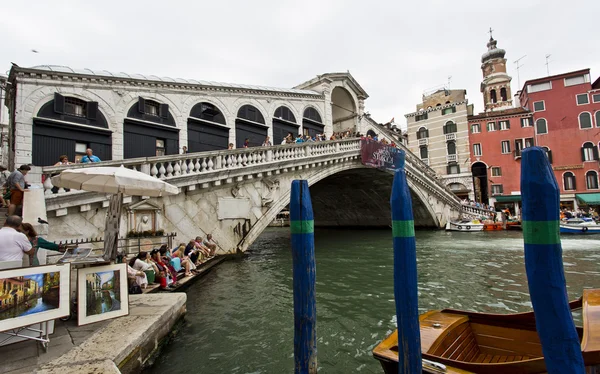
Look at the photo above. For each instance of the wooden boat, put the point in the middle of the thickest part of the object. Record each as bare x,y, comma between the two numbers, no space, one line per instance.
465,226
491,343
579,226
497,226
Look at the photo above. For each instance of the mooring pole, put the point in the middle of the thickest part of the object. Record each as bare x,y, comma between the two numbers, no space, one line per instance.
303,258
405,277
544,266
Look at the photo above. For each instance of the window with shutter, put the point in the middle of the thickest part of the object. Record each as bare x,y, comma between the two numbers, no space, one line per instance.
541,127
589,152
583,99
59,103
75,107
591,178
92,110
569,182
141,105
164,110
423,152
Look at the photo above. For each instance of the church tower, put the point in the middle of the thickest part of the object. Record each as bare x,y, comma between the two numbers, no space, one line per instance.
495,86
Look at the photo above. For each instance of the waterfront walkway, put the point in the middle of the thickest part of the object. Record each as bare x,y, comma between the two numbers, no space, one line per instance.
119,345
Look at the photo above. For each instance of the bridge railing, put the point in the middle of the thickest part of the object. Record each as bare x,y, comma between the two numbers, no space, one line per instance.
172,166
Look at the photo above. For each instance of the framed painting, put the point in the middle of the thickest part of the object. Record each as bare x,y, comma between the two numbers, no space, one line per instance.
102,293
34,294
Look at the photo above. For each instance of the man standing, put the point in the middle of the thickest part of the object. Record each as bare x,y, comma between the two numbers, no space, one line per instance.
16,185
13,244
89,157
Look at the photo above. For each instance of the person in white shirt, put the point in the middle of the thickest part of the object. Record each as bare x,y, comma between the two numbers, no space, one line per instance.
13,244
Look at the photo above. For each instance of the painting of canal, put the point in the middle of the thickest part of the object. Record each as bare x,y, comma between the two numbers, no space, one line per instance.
33,294
29,294
103,294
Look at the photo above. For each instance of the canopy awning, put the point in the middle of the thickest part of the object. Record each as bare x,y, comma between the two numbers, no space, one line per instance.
588,198
508,198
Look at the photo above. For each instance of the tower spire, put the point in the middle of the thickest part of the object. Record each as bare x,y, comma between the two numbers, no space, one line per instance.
491,37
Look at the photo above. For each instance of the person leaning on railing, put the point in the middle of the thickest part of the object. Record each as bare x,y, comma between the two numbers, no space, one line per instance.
38,242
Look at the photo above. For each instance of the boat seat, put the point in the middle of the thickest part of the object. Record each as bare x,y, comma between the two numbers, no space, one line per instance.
591,312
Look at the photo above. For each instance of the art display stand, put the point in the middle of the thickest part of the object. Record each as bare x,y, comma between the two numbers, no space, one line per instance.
40,334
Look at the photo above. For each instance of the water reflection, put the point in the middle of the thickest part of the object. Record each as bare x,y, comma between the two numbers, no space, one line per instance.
240,316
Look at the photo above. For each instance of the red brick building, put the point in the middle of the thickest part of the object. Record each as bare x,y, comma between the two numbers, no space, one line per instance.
560,113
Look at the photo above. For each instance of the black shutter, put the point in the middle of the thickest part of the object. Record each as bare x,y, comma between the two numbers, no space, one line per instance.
508,124
523,122
447,169
574,182
91,108
582,153
445,129
427,133
141,105
595,153
59,103
457,168
550,156
164,111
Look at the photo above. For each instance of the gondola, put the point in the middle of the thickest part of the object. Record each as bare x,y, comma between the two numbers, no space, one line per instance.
466,342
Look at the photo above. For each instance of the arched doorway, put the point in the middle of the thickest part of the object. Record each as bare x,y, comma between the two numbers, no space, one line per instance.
207,130
460,190
343,110
480,182
250,124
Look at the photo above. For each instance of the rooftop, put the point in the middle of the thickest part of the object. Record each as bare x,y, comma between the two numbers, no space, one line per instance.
154,78
555,77
500,113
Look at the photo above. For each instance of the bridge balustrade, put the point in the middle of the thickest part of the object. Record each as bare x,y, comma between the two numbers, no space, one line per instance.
172,166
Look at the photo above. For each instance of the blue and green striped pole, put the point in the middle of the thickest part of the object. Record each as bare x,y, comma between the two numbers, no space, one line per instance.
405,277
302,225
544,266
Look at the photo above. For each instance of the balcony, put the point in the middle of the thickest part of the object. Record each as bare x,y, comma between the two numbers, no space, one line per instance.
424,141
451,136
451,158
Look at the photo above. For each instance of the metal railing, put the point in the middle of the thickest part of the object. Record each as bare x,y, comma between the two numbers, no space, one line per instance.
451,136
452,158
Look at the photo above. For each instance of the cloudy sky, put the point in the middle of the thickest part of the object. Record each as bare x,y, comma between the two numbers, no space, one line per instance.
395,49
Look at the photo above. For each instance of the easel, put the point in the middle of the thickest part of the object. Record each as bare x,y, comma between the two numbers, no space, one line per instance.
43,337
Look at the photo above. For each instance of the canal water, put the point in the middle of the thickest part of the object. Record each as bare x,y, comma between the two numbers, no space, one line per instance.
240,317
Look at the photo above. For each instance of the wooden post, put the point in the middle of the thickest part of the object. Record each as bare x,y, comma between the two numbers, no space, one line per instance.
405,277
111,229
544,266
303,260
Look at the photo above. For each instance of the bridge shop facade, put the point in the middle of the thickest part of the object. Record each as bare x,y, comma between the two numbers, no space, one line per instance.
56,110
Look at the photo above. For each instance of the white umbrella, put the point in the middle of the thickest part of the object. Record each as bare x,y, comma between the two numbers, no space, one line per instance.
113,180
116,181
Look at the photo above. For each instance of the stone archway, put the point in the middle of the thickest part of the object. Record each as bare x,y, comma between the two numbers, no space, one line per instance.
344,110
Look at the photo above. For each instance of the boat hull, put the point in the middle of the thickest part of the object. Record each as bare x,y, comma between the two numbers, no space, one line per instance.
493,227
579,229
464,227
468,342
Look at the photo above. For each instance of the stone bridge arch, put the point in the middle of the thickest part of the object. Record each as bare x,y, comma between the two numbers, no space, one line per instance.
425,214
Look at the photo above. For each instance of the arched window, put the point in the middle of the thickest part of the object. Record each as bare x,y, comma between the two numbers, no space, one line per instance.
311,114
450,127
541,126
250,113
451,147
422,133
585,120
548,153
423,152
569,181
591,180
285,113
503,96
493,97
597,118
312,123
589,152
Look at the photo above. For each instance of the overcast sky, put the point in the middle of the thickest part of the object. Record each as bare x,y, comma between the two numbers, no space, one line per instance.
395,49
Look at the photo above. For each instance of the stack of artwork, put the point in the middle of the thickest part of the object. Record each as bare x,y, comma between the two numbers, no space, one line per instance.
42,293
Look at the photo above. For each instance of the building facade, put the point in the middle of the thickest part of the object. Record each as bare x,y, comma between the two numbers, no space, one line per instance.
55,110
566,116
557,113
3,123
438,134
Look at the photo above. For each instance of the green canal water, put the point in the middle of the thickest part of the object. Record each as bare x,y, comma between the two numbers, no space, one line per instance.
240,316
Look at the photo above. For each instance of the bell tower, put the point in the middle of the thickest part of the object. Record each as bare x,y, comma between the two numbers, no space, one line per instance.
495,86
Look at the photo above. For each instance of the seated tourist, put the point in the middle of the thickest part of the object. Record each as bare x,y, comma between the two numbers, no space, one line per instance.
186,262
202,247
192,252
164,275
135,276
211,244
143,262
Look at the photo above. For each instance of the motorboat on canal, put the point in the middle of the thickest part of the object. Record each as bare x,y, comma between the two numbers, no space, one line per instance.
455,341
581,226
465,225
